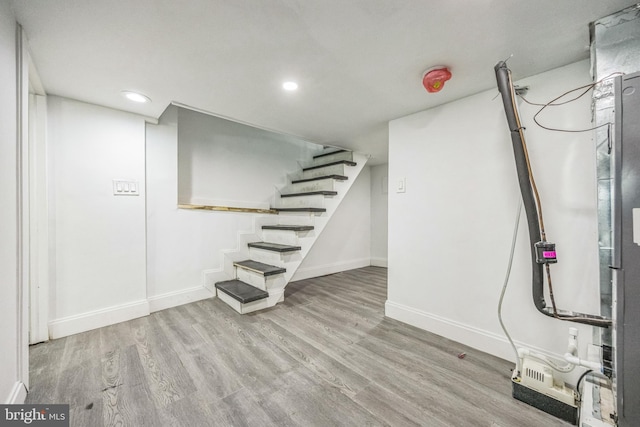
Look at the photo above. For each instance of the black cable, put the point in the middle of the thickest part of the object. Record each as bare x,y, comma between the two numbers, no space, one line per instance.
584,374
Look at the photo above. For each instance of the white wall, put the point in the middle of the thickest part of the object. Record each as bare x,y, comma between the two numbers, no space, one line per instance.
449,234
379,214
219,160
114,258
345,243
8,243
98,253
182,244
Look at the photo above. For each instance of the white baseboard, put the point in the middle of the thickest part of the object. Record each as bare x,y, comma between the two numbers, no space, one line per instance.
485,341
18,394
71,325
488,342
379,262
176,298
323,270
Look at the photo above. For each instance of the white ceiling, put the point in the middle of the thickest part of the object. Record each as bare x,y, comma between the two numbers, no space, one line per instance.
359,63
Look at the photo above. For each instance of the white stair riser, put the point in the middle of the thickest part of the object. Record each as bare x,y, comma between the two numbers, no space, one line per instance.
252,278
298,218
260,281
315,201
267,257
288,237
283,237
328,170
244,308
345,155
231,302
328,184
275,296
279,259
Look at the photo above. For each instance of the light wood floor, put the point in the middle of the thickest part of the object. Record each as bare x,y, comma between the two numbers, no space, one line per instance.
327,356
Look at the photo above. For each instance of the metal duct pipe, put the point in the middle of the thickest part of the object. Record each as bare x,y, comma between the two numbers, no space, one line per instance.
615,48
505,87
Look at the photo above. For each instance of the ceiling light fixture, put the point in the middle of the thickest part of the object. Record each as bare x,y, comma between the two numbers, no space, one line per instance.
135,96
290,86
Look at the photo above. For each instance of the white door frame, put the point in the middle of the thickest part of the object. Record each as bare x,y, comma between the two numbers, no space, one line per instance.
23,207
39,219
39,212
35,190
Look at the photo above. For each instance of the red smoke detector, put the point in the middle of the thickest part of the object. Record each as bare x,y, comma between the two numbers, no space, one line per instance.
434,78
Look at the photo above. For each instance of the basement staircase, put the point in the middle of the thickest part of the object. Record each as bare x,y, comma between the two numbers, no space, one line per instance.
255,274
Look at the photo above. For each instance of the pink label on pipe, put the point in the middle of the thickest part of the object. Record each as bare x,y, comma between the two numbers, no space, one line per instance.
549,254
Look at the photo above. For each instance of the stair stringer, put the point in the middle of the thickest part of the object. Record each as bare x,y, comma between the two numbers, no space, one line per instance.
226,271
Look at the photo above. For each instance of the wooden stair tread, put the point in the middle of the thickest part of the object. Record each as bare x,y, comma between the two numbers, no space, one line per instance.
312,193
329,153
288,227
337,162
241,291
276,247
300,209
338,177
260,268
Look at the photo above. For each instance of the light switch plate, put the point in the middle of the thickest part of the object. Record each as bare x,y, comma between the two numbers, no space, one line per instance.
402,185
123,187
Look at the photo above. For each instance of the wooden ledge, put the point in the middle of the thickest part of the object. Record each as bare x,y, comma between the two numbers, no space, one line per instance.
228,209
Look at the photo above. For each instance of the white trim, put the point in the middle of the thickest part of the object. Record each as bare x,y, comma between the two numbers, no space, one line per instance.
477,338
176,298
379,262
488,342
23,248
71,325
336,267
39,221
35,83
18,394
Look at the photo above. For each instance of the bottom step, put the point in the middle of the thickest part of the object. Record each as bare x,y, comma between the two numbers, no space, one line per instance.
260,268
241,291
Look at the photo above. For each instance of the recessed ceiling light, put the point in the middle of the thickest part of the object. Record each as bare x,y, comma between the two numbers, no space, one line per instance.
290,86
135,96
